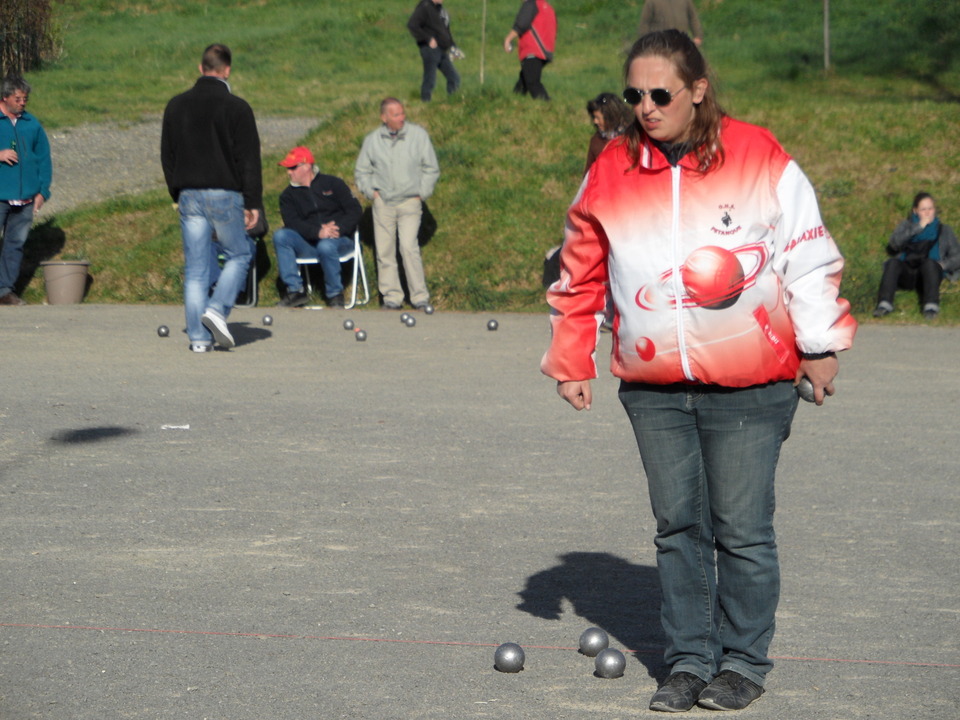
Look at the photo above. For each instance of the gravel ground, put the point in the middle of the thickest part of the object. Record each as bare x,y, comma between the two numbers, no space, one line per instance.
201,536
98,161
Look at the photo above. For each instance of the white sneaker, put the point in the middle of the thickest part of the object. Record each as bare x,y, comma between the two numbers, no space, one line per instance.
217,324
200,347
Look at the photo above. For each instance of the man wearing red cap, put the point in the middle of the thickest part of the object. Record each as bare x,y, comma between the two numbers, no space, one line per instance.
320,216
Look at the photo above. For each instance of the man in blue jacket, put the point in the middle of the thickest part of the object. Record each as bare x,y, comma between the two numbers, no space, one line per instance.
210,153
25,174
320,216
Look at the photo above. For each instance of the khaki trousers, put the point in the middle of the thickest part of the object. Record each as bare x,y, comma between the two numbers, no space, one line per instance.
391,222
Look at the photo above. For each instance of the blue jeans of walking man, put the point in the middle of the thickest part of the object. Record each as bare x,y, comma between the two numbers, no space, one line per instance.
203,212
15,222
434,59
710,455
327,251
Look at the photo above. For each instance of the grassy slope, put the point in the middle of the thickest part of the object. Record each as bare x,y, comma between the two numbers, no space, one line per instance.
510,166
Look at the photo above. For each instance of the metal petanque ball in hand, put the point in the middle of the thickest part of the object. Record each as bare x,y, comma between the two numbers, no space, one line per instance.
592,641
348,325
610,663
492,325
805,390
163,331
509,658
268,319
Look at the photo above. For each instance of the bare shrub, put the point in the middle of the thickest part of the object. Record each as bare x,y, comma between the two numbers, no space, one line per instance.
28,35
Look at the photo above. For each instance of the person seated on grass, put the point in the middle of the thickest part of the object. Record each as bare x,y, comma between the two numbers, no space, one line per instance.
320,216
924,250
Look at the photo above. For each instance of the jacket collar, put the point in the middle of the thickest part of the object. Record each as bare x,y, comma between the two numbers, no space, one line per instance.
385,132
211,82
653,158
25,116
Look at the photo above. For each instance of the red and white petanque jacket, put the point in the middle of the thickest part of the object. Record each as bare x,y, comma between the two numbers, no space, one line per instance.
720,278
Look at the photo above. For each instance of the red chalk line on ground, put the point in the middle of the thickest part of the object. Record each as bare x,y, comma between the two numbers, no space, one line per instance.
456,643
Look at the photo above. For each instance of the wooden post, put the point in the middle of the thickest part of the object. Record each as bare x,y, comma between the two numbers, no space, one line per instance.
826,35
483,39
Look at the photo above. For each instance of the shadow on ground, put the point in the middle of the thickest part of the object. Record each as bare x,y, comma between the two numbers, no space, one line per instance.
45,241
609,592
91,434
244,333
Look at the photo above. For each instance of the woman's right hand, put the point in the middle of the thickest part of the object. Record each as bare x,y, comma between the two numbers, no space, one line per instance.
926,215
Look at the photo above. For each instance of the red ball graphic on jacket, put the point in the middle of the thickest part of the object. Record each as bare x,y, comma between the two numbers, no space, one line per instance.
712,277
646,350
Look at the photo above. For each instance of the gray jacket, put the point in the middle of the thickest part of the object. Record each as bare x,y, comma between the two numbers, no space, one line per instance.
398,167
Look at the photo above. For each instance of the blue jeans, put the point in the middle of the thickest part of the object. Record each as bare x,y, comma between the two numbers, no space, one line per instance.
15,223
203,212
434,58
710,455
327,251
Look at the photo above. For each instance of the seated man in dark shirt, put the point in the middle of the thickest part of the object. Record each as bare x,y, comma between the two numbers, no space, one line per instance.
320,216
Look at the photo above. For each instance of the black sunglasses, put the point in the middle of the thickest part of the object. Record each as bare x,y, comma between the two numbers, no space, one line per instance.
660,97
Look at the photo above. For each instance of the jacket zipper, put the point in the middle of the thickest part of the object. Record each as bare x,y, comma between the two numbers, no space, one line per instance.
676,277
18,148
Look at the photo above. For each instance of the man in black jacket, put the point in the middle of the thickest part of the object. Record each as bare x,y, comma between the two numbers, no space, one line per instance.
430,26
320,216
210,153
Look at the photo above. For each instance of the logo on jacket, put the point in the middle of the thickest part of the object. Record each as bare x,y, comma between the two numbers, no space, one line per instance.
711,277
812,234
727,221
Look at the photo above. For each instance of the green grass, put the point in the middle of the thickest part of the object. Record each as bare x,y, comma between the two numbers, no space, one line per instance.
870,134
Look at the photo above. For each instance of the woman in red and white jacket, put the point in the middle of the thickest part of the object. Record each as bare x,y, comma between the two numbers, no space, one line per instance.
726,287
